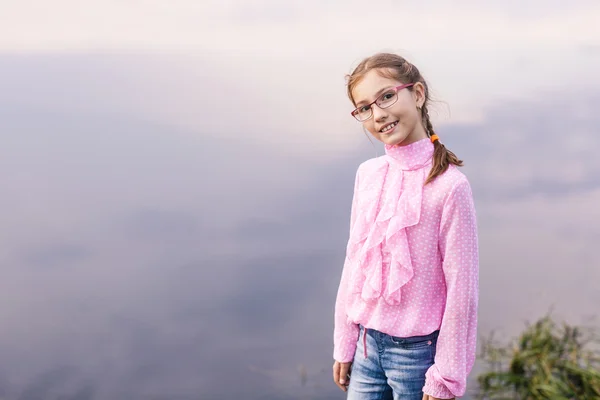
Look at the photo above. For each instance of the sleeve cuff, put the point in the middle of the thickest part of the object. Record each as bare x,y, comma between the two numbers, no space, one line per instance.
436,389
344,355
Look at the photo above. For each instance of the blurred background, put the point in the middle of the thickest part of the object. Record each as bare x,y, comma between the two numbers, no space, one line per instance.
176,178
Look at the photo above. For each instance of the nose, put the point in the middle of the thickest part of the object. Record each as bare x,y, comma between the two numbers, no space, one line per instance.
379,114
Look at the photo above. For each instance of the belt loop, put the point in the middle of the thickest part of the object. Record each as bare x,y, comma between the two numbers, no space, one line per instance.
365,341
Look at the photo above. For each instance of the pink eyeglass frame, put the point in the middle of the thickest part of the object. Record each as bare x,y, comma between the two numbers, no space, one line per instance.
396,89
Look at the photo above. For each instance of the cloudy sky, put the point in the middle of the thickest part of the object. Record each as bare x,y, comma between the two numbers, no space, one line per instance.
176,181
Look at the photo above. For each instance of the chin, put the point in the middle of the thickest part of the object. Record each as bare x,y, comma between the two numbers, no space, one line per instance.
393,140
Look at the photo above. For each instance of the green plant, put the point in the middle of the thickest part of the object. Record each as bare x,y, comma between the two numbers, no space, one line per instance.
546,362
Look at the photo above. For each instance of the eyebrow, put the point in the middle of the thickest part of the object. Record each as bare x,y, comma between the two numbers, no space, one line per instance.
376,94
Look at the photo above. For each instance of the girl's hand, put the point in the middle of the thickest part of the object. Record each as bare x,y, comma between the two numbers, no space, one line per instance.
341,374
428,397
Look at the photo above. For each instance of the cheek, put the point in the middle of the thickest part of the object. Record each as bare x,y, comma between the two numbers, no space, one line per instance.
406,109
369,126
408,116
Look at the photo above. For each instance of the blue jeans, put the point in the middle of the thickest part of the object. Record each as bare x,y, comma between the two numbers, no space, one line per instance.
390,367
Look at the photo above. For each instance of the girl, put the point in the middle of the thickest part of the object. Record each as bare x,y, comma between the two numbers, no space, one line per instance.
406,308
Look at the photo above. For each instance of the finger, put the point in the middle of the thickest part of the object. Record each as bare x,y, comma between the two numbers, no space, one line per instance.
344,373
336,376
336,372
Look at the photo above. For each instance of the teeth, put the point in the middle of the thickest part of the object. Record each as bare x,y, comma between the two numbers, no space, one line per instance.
388,127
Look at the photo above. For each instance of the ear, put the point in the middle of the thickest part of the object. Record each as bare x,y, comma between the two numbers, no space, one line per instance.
419,94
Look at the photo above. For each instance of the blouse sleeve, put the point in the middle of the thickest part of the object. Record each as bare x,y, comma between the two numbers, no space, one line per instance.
455,354
345,333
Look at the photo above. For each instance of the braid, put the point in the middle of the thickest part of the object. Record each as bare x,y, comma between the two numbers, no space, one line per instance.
442,157
426,122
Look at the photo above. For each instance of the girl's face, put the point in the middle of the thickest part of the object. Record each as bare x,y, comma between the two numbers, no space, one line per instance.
399,124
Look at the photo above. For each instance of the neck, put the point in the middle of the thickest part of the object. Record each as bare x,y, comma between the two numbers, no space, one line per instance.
412,156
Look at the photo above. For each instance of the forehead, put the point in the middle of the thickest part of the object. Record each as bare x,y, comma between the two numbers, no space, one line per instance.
370,84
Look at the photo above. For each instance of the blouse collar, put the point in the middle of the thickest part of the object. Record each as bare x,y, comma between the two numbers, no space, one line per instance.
412,156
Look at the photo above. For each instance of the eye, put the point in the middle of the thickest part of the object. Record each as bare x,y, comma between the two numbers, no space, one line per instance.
364,109
387,95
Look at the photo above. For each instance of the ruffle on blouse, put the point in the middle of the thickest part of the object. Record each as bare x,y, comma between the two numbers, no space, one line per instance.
400,208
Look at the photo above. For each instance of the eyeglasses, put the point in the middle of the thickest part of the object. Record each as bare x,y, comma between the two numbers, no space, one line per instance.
388,98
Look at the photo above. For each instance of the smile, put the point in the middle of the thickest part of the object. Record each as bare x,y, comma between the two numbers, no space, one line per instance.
388,127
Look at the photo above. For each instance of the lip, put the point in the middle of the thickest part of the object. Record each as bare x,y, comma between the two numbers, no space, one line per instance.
388,132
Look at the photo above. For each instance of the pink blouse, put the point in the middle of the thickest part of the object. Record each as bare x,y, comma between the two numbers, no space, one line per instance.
412,262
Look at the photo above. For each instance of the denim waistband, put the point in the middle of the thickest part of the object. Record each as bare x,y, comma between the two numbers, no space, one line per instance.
380,335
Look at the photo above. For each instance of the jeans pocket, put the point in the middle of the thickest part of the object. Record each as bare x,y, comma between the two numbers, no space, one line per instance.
413,343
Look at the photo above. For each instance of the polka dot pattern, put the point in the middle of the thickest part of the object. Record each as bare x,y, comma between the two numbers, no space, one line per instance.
412,262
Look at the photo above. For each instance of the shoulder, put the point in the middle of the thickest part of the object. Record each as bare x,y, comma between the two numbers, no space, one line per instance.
371,166
452,178
453,183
